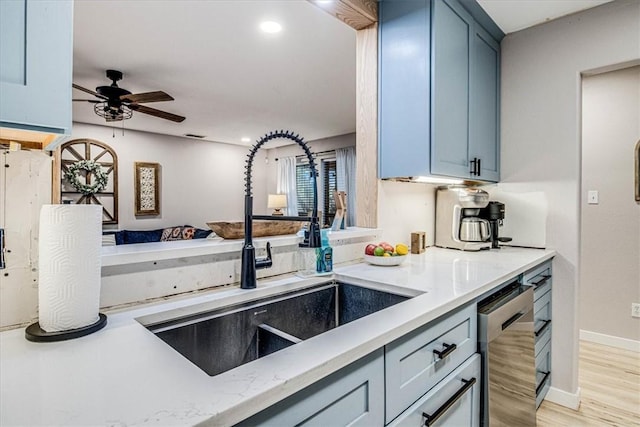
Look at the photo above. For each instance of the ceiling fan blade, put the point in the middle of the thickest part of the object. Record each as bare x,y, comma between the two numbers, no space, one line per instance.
156,113
95,101
89,91
156,96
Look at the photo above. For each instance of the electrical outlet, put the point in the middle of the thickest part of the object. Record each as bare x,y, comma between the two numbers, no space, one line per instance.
635,309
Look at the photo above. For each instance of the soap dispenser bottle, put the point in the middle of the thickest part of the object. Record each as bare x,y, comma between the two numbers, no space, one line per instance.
324,254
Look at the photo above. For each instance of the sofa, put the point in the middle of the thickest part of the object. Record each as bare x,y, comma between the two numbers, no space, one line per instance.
126,237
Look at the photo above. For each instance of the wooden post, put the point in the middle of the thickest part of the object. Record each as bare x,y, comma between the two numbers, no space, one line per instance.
367,127
363,16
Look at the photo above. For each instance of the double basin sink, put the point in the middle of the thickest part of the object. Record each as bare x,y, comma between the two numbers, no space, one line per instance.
222,339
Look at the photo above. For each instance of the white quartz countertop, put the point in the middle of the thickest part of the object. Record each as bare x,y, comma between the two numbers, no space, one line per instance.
125,375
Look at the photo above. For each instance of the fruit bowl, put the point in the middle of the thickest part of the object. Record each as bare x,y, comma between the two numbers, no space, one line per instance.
385,261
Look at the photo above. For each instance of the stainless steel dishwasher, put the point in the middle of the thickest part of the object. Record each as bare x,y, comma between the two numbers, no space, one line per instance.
507,345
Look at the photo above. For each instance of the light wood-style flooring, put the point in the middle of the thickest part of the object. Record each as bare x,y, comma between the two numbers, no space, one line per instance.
609,380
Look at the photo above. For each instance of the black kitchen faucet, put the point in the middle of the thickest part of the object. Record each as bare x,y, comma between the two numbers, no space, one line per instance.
312,236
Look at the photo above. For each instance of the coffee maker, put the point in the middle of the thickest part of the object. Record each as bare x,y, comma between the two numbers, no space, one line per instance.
494,213
458,224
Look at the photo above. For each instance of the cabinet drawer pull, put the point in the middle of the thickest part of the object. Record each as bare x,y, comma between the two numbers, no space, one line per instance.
511,320
478,167
430,419
447,350
473,166
543,328
541,281
2,263
544,380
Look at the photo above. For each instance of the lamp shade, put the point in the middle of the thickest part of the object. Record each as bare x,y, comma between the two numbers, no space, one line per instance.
277,201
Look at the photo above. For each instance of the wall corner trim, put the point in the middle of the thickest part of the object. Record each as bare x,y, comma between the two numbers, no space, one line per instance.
564,398
610,340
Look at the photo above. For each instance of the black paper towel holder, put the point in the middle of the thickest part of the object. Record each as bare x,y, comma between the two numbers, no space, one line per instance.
35,333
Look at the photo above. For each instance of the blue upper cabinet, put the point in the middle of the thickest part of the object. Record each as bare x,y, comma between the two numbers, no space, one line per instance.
484,108
36,51
404,88
451,57
438,90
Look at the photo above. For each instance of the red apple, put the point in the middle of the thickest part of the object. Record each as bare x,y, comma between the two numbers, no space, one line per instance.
387,247
369,249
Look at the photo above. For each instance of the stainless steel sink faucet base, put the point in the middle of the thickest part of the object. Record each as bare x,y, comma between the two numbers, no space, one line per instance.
312,239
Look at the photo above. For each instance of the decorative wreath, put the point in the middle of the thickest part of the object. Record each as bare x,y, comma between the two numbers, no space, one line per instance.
100,177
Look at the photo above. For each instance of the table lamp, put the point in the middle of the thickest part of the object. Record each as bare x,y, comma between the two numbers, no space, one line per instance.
277,202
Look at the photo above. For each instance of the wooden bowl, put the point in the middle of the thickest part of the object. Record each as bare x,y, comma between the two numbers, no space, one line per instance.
235,229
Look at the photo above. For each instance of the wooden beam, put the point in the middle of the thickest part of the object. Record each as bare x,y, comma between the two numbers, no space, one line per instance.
358,14
367,127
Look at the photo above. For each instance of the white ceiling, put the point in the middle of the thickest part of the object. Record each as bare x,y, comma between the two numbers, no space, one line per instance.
229,79
515,15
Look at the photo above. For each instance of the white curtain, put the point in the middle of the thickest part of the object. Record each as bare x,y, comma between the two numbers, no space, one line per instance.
286,183
346,174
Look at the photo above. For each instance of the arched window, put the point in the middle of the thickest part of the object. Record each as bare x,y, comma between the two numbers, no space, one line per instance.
82,189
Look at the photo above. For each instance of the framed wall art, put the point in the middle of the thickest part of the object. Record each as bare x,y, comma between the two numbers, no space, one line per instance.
147,188
86,172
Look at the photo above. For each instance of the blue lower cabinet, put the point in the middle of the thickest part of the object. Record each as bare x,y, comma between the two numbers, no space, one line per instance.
352,396
419,360
543,373
453,402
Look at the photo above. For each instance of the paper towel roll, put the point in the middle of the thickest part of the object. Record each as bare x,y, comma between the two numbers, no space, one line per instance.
69,289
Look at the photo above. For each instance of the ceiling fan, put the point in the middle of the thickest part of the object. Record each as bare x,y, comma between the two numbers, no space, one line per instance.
115,103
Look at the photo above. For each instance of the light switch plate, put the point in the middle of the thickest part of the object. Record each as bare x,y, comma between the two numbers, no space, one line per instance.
592,197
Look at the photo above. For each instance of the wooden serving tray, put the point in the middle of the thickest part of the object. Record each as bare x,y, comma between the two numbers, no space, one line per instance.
235,230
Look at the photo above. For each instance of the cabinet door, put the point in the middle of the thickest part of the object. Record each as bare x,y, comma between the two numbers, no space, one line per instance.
36,47
404,103
452,27
25,185
455,401
484,113
417,361
353,396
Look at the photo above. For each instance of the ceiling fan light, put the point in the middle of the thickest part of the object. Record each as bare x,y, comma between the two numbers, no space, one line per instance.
112,113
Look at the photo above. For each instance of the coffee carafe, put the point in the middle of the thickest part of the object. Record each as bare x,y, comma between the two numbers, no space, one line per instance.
458,221
494,213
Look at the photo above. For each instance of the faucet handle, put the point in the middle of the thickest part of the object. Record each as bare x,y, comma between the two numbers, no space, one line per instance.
265,262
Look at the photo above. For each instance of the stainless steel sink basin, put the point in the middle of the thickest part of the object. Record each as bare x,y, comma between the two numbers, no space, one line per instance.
220,340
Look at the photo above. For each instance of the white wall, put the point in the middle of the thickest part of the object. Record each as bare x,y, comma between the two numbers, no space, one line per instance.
200,181
541,139
610,245
405,207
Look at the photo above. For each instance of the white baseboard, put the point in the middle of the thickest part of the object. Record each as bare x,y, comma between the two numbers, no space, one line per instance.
610,340
563,398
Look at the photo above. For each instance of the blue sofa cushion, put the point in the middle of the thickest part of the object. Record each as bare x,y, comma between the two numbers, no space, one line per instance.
124,237
142,236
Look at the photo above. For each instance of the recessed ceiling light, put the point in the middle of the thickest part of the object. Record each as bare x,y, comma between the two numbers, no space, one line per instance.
270,27
245,139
